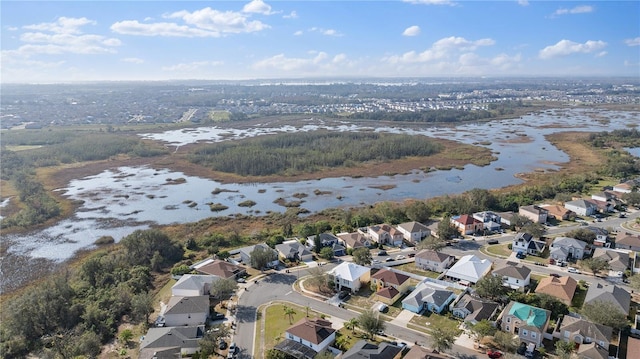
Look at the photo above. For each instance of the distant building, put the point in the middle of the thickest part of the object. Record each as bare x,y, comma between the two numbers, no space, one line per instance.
535,213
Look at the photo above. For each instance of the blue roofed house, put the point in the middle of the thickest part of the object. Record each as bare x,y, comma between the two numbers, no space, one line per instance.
428,296
528,322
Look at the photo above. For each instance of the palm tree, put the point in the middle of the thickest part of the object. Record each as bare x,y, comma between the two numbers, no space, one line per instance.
288,311
351,324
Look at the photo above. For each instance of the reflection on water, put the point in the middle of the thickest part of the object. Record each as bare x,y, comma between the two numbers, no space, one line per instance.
120,200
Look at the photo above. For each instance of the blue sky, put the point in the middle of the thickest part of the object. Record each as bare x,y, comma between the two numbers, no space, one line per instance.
64,41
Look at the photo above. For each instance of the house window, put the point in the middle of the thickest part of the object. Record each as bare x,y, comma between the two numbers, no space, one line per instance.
290,336
602,344
508,319
566,334
517,281
508,328
524,332
533,335
587,340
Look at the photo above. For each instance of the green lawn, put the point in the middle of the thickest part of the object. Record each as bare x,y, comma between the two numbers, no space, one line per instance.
346,338
499,249
411,268
276,322
578,298
428,320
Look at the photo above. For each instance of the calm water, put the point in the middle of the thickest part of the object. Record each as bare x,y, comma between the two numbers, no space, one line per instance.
121,200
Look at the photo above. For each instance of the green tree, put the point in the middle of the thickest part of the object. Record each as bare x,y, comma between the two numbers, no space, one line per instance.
557,308
446,230
605,313
417,211
582,234
351,324
362,256
142,307
260,257
506,341
481,329
326,253
564,349
520,222
443,338
289,312
325,354
370,322
223,288
537,230
317,278
432,243
276,354
491,286
125,336
595,265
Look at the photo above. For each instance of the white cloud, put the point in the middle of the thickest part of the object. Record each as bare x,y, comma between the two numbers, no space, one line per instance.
12,28
602,54
441,49
133,60
582,9
632,42
318,61
298,33
192,66
431,2
63,25
168,29
327,32
523,2
219,21
567,47
63,36
412,31
292,15
257,7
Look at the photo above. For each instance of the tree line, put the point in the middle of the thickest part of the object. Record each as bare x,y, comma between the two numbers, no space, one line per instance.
74,313
309,152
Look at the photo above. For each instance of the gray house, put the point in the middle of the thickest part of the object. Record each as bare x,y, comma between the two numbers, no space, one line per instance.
294,251
245,254
183,339
565,248
619,297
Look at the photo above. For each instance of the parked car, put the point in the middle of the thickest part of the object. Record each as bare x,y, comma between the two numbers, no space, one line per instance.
232,351
217,316
400,257
573,270
382,253
383,308
389,259
521,255
492,241
241,280
411,255
375,261
494,354
342,295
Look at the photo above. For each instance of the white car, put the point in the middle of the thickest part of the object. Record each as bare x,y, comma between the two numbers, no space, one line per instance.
399,257
573,270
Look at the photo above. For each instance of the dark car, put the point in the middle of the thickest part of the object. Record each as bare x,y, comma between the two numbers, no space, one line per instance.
389,259
343,295
492,241
382,253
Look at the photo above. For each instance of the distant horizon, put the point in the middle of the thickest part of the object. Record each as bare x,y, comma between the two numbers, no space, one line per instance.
254,40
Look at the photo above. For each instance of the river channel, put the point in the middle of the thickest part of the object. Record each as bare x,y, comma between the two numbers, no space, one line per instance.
120,200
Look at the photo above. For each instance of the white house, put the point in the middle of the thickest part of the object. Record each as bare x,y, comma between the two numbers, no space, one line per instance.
525,243
491,220
181,311
514,276
385,234
469,269
581,207
316,334
193,285
434,261
414,232
349,275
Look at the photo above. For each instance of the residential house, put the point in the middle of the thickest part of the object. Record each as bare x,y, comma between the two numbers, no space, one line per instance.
365,350
182,311
598,293
466,224
428,296
491,221
592,351
514,275
603,206
528,322
354,240
183,339
413,232
327,240
316,334
385,234
389,278
567,249
293,251
469,269
193,285
418,352
387,295
625,187
473,310
604,196
602,236
581,331
618,260
433,261
160,353
633,346
582,207
245,255
560,213
562,288
349,275
506,218
629,241
535,213
219,268
525,243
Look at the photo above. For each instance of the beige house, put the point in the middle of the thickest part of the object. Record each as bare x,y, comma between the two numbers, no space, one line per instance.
562,288
388,278
433,261
535,213
528,322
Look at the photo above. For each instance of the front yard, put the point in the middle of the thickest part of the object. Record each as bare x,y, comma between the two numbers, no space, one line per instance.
427,320
501,250
411,268
276,321
365,299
